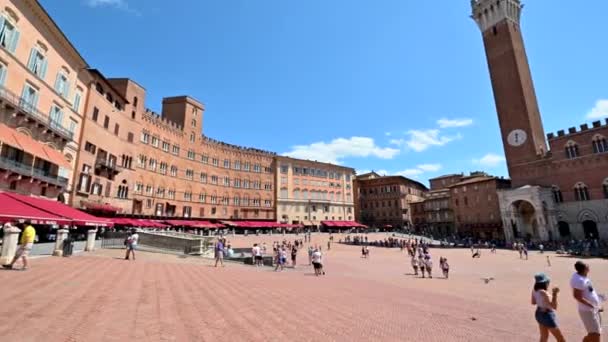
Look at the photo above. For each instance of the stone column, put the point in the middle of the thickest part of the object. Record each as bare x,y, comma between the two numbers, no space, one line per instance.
90,246
9,245
62,234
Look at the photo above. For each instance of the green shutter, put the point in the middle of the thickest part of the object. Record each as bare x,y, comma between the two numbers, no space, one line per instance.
32,60
57,84
76,102
43,68
3,72
35,101
12,47
66,89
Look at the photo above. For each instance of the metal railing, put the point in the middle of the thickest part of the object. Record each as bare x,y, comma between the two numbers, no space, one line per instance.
28,108
111,166
28,170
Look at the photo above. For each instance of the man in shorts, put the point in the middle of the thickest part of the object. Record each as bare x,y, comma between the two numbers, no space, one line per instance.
28,235
257,255
317,262
589,302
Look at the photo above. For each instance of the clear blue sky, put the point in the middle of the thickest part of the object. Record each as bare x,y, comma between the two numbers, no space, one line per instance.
364,83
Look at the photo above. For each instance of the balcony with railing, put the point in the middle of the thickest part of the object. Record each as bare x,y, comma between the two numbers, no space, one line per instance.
30,111
110,166
30,171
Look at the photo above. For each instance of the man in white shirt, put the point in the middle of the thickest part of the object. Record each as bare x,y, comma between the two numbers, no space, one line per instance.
589,302
317,262
132,241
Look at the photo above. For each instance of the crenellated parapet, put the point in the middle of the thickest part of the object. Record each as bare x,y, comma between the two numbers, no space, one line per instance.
153,118
574,132
214,143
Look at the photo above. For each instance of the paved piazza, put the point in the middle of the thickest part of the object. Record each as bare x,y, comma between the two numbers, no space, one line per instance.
99,297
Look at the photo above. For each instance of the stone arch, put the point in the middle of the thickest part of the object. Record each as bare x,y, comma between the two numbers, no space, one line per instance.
525,222
590,229
587,214
24,130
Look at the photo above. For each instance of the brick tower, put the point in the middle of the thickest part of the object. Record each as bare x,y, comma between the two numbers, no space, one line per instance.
521,127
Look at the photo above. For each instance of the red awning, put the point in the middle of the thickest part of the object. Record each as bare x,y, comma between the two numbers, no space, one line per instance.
132,222
12,210
101,207
344,224
260,224
123,221
193,224
78,218
29,145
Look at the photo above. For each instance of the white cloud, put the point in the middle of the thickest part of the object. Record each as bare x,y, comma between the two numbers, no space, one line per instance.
410,173
599,111
398,142
388,134
429,167
419,170
118,4
490,160
420,140
340,148
448,123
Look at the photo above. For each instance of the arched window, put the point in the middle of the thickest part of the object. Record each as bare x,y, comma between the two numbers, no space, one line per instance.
571,150
600,145
581,193
557,194
605,188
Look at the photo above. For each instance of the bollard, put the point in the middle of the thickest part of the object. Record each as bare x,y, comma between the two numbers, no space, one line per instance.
9,245
62,234
90,246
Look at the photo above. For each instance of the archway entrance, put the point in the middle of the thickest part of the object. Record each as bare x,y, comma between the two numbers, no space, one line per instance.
526,225
590,229
564,229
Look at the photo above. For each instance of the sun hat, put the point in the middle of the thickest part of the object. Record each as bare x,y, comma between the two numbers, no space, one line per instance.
541,278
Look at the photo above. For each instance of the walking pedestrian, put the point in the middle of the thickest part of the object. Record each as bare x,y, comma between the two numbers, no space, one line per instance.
219,252
445,267
545,308
317,262
415,265
421,264
256,254
589,302
428,264
294,254
28,235
310,252
132,241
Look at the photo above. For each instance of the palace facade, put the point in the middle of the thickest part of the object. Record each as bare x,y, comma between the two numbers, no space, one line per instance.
560,181
69,132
